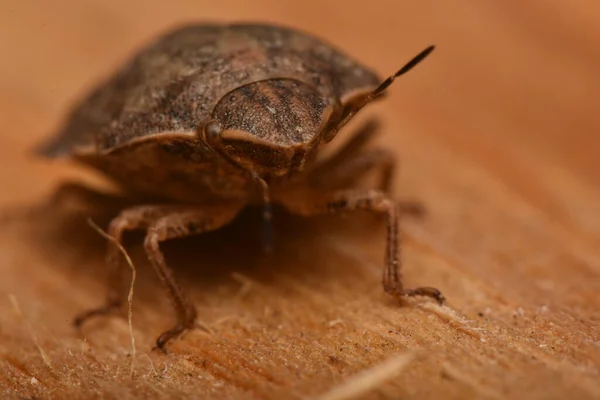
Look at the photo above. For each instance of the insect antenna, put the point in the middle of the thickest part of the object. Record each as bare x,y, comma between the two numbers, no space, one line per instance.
382,87
407,67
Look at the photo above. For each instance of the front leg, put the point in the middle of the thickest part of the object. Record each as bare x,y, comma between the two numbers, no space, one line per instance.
130,219
161,223
311,203
179,225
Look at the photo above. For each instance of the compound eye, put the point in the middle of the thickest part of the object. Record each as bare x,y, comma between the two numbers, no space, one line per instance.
212,131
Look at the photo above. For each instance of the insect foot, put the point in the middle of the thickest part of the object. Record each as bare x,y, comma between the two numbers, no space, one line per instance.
420,291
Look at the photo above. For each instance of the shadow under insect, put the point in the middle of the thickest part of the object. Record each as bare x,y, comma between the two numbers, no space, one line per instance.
203,264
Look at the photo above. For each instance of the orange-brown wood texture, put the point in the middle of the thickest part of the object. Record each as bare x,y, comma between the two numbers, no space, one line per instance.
497,133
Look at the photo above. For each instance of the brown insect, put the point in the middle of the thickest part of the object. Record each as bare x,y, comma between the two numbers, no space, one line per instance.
211,118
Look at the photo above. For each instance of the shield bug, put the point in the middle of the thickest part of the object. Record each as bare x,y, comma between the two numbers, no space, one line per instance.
211,118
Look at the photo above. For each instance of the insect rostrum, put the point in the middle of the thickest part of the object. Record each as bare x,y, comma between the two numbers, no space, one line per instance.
212,118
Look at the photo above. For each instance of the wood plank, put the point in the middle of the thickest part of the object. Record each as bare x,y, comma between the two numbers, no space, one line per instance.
497,133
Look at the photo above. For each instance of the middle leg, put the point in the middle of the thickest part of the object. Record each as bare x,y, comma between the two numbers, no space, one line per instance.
344,174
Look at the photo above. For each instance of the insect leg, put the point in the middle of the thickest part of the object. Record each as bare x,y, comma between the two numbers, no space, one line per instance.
357,141
177,225
346,173
139,217
83,194
70,195
371,200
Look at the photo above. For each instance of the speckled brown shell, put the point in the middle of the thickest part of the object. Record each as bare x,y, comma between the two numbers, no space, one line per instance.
172,85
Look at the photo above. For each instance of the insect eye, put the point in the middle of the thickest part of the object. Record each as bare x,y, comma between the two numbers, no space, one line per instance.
212,130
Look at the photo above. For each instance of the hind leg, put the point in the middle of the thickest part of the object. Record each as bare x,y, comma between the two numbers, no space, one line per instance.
357,142
346,173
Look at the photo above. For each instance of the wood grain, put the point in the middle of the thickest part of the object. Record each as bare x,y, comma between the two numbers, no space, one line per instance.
498,134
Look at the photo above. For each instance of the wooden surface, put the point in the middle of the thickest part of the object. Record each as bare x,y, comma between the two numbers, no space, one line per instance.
498,133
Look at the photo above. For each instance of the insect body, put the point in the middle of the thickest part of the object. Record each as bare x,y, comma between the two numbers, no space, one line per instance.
212,118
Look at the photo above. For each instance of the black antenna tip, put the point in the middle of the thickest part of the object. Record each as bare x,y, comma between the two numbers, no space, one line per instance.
425,52
417,59
421,56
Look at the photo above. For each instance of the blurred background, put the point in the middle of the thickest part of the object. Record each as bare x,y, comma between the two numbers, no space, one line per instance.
497,132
